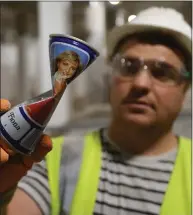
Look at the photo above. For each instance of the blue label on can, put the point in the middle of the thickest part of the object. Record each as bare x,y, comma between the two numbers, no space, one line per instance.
75,42
68,58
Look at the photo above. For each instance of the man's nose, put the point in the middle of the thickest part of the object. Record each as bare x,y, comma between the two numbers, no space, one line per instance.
143,79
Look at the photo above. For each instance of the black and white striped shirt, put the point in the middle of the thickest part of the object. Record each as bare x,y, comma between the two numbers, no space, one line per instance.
132,185
128,185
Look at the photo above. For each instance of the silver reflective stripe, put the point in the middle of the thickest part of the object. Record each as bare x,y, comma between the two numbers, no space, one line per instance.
69,170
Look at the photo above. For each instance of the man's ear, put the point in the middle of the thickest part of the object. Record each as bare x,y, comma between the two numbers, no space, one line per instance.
187,94
187,86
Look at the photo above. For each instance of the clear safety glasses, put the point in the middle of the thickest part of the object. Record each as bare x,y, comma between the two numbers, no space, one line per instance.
161,72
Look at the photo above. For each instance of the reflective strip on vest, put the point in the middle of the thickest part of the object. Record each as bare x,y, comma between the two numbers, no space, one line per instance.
53,166
83,201
177,199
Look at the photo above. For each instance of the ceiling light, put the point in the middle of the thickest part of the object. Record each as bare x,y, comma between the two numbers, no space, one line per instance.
114,2
93,4
131,17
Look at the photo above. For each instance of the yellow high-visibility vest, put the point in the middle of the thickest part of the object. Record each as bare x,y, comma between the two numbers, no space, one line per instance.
177,199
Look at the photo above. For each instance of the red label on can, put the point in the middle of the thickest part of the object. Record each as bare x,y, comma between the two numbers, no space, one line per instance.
41,111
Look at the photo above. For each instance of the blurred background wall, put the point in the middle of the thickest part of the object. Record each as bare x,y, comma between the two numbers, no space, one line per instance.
25,29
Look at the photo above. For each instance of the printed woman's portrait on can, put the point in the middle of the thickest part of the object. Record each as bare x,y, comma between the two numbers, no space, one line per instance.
65,67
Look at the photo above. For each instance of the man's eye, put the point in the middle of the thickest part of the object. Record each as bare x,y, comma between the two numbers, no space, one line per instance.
159,73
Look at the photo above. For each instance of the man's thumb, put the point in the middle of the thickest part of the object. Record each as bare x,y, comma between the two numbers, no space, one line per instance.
5,105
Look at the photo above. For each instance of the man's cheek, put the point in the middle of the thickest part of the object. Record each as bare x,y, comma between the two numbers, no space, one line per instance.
172,103
120,87
178,102
117,81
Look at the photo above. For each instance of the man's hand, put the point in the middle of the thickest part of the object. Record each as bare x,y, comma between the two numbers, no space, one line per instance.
4,106
14,166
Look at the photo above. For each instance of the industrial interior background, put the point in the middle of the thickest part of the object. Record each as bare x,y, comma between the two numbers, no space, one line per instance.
25,29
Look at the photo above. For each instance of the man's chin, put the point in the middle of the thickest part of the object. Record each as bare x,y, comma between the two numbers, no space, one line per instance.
138,119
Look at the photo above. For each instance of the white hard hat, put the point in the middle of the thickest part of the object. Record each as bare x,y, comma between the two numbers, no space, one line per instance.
154,18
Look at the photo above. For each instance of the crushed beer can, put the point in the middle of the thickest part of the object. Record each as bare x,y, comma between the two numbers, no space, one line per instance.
22,126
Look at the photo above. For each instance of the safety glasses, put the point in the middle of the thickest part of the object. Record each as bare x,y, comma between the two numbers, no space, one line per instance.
160,71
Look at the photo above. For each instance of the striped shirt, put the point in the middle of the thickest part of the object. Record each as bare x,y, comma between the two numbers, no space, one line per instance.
128,185
132,185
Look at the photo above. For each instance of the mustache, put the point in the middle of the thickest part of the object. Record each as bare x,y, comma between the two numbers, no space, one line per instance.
129,100
135,95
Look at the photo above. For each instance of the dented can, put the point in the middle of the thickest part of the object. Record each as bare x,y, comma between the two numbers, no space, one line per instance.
22,126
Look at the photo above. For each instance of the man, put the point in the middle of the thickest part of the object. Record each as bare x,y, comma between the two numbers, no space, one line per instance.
136,165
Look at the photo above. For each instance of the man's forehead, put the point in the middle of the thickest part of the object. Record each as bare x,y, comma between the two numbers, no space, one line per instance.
152,37
127,44
133,44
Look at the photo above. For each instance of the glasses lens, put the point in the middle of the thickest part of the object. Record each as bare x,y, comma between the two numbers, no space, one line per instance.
127,67
165,73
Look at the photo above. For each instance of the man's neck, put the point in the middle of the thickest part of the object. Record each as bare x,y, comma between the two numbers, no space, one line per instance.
142,141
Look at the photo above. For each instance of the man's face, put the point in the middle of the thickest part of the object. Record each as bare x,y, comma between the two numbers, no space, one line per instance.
67,67
143,101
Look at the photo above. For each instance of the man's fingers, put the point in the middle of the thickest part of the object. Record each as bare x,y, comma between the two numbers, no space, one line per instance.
3,156
5,105
17,166
10,173
43,147
4,145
